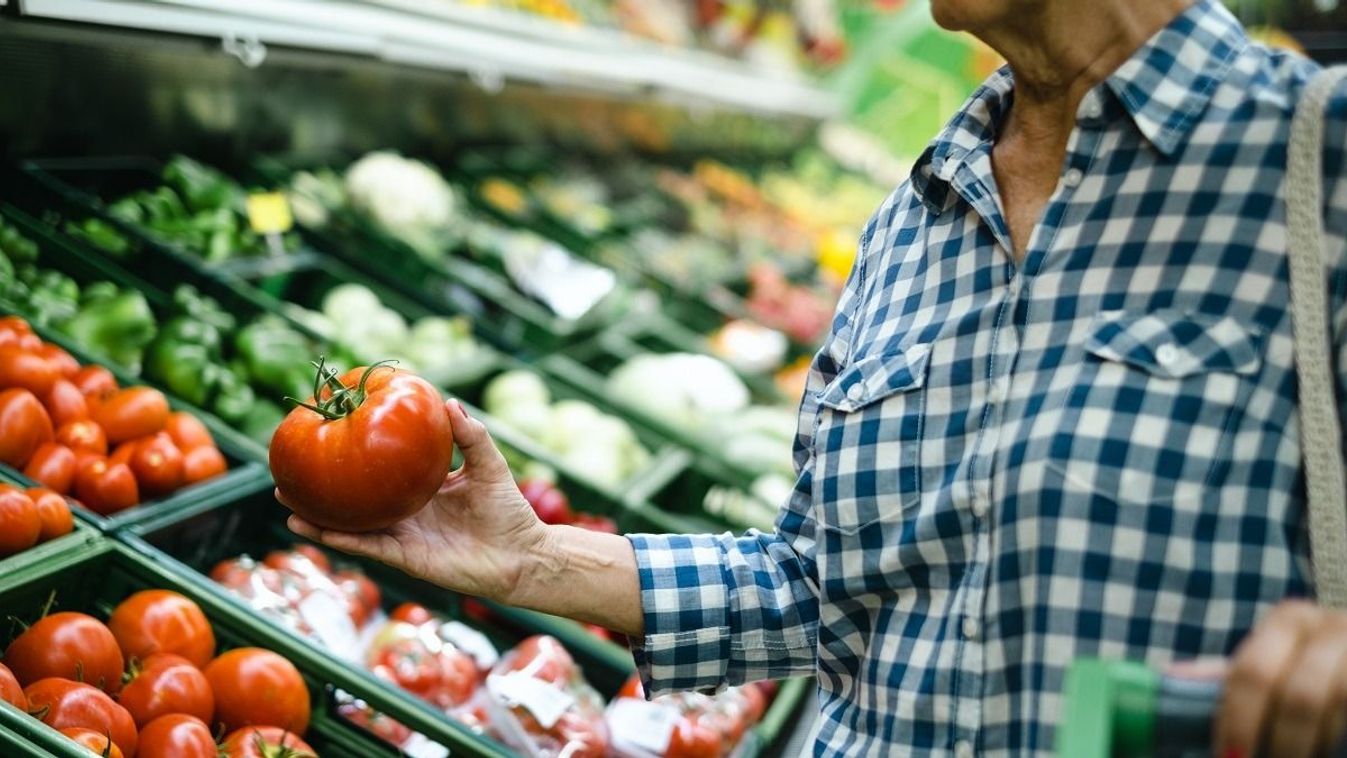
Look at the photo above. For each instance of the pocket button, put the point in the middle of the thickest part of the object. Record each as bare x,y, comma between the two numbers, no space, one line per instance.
1167,355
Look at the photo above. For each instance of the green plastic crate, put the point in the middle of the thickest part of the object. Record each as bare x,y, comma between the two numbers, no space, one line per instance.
95,579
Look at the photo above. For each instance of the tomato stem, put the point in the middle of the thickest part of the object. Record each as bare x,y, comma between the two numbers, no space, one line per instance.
341,400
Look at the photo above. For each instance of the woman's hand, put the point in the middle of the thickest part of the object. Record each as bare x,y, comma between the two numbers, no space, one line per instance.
1286,686
472,537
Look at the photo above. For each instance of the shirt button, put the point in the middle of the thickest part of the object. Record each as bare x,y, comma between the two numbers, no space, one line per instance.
1073,177
1167,354
971,628
855,392
980,506
1091,107
963,749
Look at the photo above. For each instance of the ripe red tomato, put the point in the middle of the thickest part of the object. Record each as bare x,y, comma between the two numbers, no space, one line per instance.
24,425
692,739
165,683
10,691
163,621
177,735
412,613
436,673
52,464
632,688
106,487
65,403
547,500
12,328
83,435
68,645
124,452
381,725
95,383
363,594
62,704
157,464
20,524
21,367
256,687
265,742
755,703
543,657
65,364
131,413
187,431
98,743
53,511
305,560
202,463
372,457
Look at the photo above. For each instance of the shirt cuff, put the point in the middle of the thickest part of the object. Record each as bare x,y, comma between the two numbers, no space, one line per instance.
685,600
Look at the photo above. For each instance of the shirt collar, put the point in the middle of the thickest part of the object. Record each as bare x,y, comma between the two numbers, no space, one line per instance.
1165,86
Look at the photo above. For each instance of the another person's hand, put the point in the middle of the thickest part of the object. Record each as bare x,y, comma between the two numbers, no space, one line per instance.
472,537
1286,686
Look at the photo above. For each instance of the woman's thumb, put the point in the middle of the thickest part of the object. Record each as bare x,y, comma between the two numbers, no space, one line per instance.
474,441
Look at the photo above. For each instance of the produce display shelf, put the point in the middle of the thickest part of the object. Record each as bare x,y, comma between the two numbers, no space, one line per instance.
492,48
81,535
241,454
96,578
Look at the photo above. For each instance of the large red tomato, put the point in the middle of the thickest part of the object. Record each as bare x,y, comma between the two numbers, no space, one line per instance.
157,464
65,403
177,735
131,413
20,523
165,683
265,742
367,455
24,425
162,621
62,704
255,687
83,435
53,465
53,511
105,486
95,383
20,367
65,364
67,645
98,743
202,463
187,431
10,691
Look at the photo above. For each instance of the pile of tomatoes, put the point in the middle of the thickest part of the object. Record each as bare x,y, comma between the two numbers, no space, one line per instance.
539,702
73,429
30,517
147,683
685,724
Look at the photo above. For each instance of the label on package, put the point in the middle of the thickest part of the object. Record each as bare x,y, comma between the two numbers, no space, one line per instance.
470,641
639,727
331,624
545,702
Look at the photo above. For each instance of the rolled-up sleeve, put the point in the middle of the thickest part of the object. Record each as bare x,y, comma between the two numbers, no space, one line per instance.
723,610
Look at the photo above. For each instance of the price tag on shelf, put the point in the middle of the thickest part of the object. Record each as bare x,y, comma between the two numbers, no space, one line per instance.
269,213
547,702
640,727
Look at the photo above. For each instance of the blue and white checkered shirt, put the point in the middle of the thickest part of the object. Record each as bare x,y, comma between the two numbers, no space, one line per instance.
1005,466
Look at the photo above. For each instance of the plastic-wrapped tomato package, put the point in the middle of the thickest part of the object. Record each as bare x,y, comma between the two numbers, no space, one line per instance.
418,660
682,725
541,704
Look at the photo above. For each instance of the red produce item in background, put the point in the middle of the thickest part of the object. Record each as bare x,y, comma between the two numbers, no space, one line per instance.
65,403
65,364
202,463
543,657
14,330
53,465
20,524
412,613
95,383
256,687
64,704
94,741
419,661
67,645
10,690
105,487
53,511
362,590
157,465
595,523
381,725
163,621
187,431
23,367
265,742
124,453
164,684
132,413
547,500
539,702
24,426
83,435
177,735
367,457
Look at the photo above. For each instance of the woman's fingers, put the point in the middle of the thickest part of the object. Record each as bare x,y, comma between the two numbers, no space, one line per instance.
372,545
1260,667
479,451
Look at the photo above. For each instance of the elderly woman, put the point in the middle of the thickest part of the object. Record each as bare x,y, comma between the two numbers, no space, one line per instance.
1055,417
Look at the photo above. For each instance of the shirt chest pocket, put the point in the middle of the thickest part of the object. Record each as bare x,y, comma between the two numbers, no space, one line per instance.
867,441
1149,416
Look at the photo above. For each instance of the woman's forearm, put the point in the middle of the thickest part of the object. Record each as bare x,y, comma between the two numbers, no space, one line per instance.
582,574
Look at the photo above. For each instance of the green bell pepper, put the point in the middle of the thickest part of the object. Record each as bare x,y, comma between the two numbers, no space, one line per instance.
202,187
116,324
203,308
276,356
233,397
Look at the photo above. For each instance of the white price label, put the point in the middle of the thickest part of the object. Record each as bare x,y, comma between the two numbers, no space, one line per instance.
470,641
544,701
639,726
330,623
